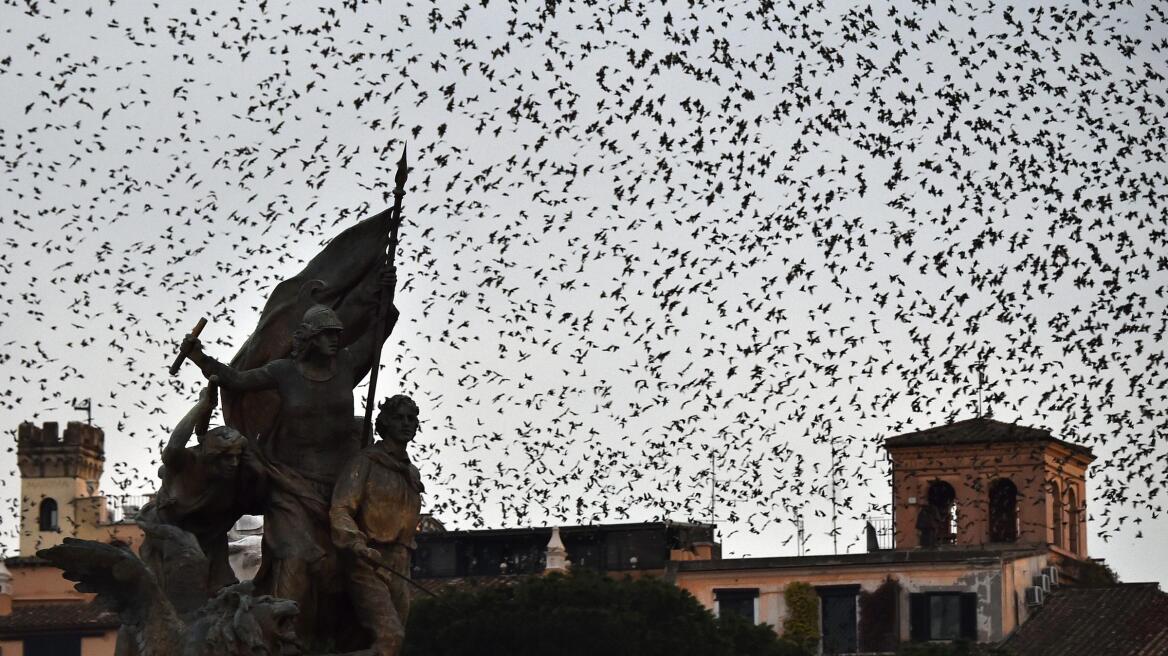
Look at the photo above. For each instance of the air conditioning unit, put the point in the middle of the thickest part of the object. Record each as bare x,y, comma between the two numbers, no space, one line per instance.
1034,596
1052,573
1041,581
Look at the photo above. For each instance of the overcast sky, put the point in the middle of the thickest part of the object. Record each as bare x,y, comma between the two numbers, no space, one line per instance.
632,236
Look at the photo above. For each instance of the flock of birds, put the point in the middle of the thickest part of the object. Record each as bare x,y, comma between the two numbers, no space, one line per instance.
647,245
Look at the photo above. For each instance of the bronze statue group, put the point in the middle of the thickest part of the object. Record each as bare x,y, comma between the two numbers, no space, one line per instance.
340,509
340,512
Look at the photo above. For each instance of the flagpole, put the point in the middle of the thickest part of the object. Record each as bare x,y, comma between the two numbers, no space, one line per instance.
384,298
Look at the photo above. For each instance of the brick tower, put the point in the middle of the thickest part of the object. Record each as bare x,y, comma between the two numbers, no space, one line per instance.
986,483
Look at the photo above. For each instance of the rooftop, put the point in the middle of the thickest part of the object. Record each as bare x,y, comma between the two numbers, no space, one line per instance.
886,557
980,430
1129,619
586,528
54,617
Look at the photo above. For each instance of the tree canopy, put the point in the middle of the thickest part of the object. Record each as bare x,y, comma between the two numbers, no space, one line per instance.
582,613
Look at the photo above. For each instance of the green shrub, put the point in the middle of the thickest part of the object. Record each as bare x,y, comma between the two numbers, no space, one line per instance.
758,639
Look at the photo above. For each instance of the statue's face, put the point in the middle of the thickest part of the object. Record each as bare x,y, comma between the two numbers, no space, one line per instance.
223,446
398,423
327,342
225,465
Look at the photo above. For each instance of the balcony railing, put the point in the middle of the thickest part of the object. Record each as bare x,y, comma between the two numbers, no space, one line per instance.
885,532
125,507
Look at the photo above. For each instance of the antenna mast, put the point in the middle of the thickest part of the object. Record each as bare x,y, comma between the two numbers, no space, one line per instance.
979,367
713,484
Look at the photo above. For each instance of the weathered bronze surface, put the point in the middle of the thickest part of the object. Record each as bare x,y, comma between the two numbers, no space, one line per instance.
204,490
375,509
233,622
299,456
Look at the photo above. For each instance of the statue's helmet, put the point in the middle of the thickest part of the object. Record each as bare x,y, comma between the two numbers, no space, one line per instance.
319,318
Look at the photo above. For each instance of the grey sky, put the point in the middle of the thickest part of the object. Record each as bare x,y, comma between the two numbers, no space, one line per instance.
632,236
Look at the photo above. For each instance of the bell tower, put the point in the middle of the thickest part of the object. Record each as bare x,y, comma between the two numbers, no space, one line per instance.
985,483
59,477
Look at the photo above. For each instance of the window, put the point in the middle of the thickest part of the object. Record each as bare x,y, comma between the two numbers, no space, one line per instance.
742,602
53,645
1056,514
1073,524
48,515
943,616
1003,511
937,521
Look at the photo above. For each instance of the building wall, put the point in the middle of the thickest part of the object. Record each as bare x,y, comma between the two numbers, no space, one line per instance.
102,645
40,583
996,582
1066,472
1018,575
84,517
65,491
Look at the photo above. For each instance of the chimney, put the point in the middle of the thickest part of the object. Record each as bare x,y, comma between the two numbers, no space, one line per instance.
703,551
557,555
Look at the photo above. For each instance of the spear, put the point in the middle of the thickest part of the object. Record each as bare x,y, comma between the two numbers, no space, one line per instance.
385,297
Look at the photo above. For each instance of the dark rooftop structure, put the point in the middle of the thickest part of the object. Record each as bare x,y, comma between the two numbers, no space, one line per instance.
1129,619
979,430
603,547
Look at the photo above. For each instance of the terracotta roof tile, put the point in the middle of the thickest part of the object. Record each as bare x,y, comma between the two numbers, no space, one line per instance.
1130,619
33,618
979,430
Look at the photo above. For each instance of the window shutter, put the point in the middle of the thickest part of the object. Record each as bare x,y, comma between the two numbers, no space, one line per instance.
969,616
918,617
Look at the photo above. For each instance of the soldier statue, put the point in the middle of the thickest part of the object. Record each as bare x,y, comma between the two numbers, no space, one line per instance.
374,515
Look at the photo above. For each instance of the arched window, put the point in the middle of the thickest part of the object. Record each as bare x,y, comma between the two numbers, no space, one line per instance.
1003,511
48,515
1073,524
1056,513
943,500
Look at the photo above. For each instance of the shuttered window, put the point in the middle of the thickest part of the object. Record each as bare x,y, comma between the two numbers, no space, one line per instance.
943,616
737,601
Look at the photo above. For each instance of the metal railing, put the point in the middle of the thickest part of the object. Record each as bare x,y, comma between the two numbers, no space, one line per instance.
885,532
125,507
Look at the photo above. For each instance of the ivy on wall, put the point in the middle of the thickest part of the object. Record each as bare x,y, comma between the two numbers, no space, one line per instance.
879,625
801,625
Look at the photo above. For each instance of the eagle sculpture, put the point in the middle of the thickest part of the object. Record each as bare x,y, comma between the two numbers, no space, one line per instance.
234,622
